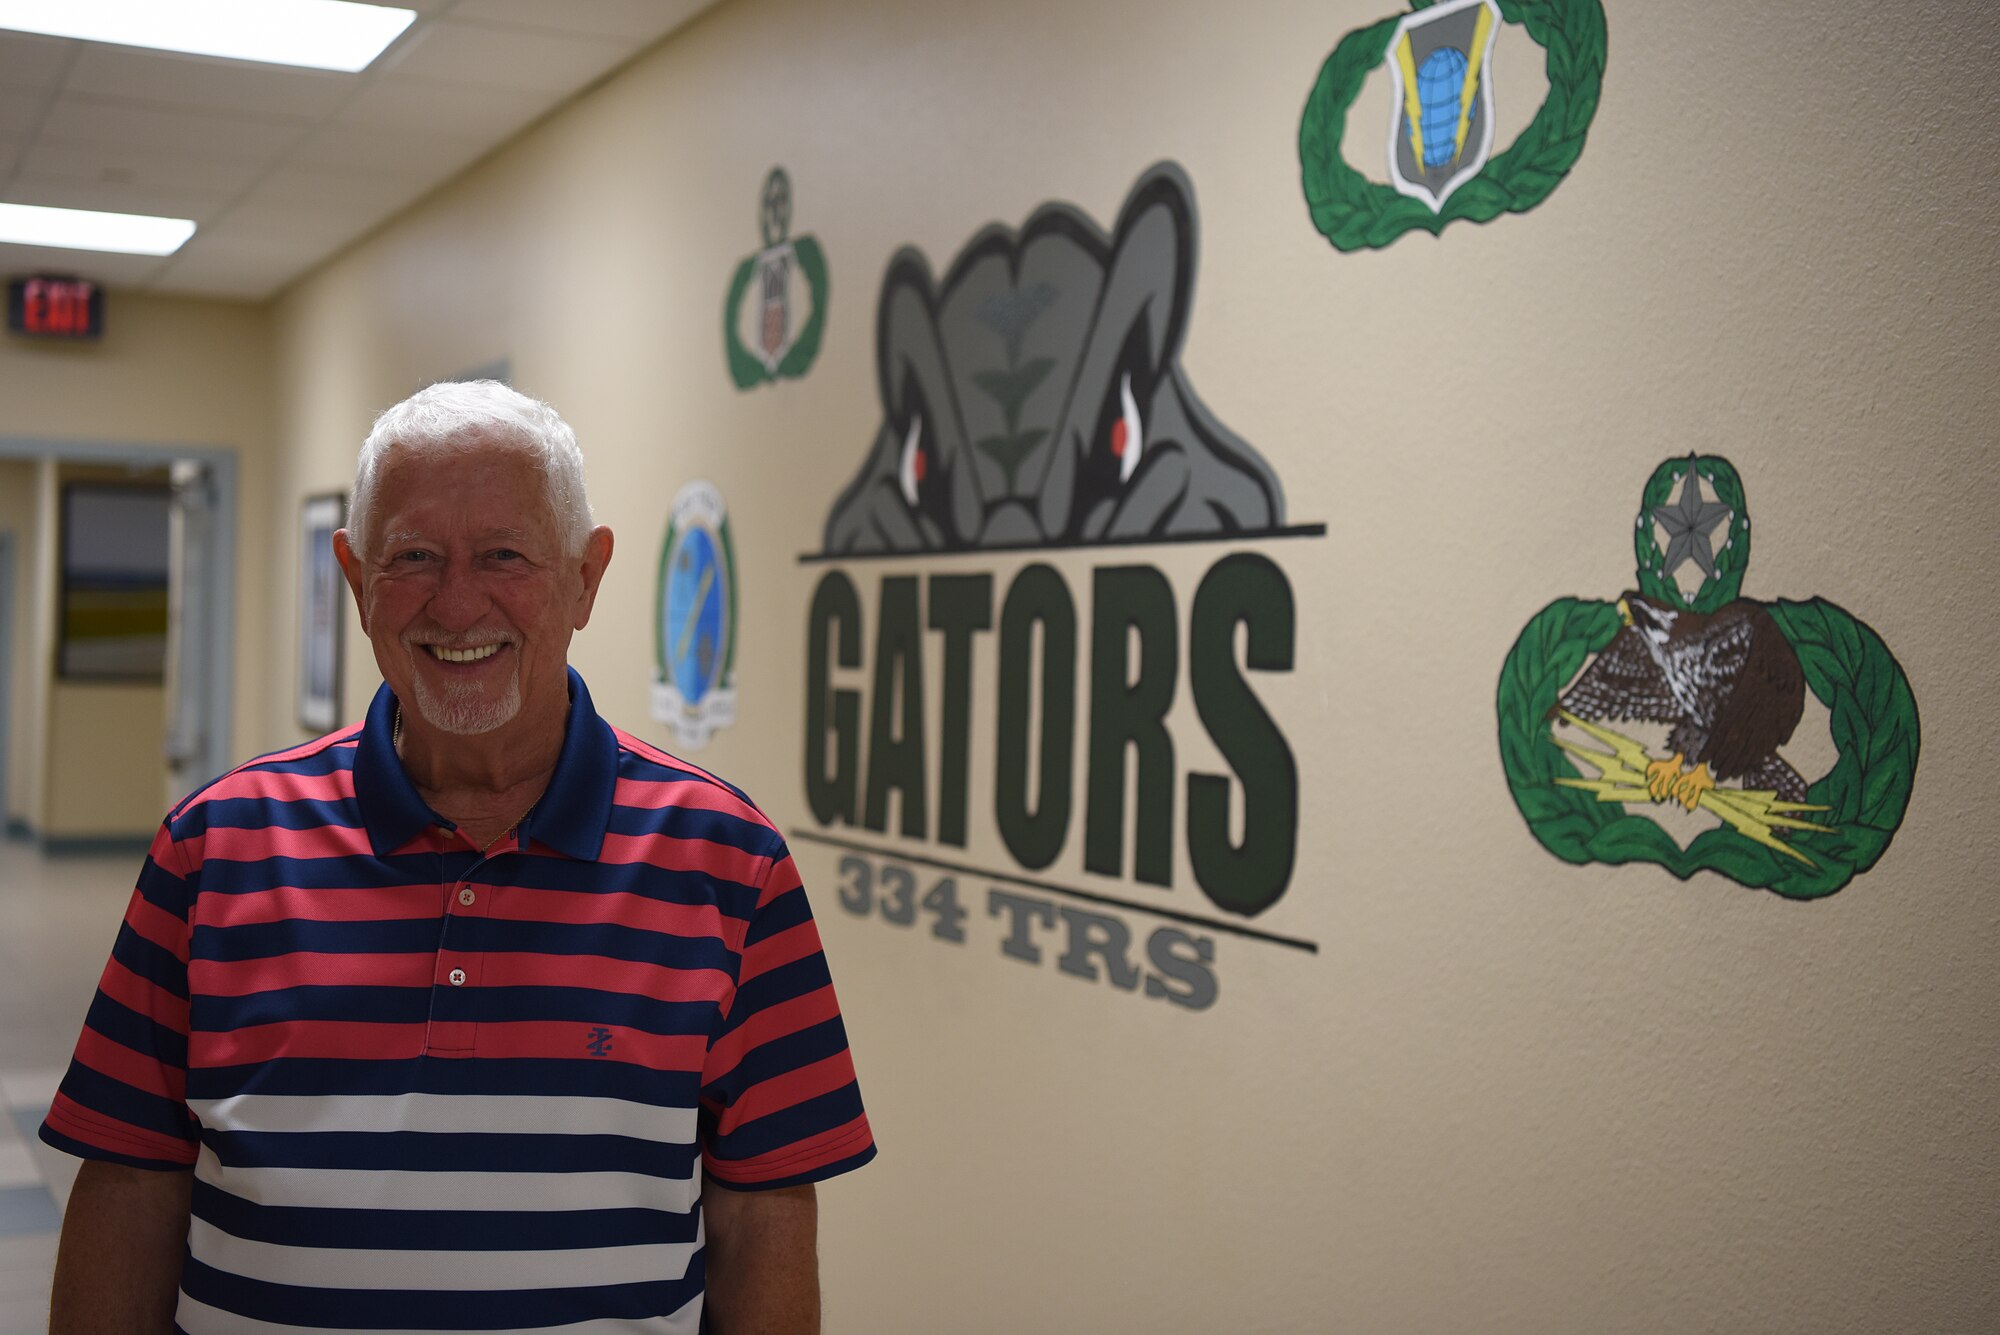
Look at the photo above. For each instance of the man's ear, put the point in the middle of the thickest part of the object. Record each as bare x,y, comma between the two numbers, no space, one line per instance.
350,566
596,556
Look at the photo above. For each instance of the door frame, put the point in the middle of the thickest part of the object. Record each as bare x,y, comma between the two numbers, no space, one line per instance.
7,603
219,700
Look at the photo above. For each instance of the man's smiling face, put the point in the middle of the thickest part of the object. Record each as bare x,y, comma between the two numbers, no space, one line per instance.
467,593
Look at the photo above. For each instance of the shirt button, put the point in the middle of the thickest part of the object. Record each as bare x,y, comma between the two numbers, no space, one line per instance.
458,978
465,896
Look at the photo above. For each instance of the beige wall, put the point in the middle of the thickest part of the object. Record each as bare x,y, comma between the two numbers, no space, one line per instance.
1504,1093
167,373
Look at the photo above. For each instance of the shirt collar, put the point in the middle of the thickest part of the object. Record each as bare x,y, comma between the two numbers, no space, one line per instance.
572,816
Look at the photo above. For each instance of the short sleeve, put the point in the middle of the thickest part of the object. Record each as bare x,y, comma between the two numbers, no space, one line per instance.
780,1104
123,1098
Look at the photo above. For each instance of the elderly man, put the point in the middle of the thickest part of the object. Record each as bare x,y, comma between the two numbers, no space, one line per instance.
480,1015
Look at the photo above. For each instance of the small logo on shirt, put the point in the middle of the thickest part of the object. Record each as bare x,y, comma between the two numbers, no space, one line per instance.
600,1041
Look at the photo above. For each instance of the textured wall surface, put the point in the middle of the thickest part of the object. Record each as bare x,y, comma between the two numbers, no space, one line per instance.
1505,1093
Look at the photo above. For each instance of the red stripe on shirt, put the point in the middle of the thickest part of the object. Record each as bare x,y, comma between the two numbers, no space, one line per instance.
266,786
275,973
773,1022
774,952
137,1069
291,903
143,996
94,1128
516,903
792,1088
150,922
689,794
655,850
354,1039
225,843
647,751
601,973
784,879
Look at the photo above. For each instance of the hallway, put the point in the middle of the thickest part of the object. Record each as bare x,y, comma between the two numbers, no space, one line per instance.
61,916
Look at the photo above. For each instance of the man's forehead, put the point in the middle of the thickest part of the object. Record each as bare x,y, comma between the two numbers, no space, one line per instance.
414,529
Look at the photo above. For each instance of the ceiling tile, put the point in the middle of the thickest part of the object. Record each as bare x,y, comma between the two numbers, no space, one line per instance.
318,231
125,166
247,270
398,101
641,21
373,149
29,61
193,134
204,83
500,57
324,188
20,109
115,197
111,270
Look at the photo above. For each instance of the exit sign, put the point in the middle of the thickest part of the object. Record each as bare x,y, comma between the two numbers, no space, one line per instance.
48,307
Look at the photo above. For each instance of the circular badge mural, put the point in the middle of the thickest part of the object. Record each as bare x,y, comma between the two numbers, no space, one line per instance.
694,640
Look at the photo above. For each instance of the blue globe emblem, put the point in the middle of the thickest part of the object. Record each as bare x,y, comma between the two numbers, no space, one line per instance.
1440,90
694,615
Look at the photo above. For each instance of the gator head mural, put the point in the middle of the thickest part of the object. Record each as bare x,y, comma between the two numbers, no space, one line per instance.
1036,397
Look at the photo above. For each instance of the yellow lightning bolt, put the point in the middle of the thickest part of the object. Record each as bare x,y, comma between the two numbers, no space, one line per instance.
1754,813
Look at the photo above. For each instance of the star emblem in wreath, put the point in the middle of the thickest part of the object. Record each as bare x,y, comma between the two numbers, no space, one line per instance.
1663,726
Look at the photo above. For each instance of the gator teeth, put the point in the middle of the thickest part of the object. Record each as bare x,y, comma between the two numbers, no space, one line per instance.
464,655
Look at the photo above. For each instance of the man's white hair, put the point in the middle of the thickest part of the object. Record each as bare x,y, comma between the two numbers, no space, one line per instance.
457,416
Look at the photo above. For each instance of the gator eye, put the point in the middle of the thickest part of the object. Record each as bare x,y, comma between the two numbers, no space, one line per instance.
1127,434
912,467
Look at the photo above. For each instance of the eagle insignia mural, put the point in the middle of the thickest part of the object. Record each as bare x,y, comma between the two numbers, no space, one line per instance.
1728,687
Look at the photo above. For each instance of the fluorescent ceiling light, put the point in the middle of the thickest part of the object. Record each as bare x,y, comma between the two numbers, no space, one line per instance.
320,34
82,229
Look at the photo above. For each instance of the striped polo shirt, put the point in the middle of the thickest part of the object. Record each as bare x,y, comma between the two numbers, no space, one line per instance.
424,1089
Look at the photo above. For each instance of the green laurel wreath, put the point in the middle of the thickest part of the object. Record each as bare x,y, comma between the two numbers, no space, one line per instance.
1354,212
1731,561
744,368
1847,666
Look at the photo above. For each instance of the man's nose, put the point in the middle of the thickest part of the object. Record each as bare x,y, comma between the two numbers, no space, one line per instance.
460,599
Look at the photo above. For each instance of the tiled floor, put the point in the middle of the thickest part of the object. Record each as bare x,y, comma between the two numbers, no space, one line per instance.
59,919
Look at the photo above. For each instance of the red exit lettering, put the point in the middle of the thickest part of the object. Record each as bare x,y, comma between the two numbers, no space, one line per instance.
56,307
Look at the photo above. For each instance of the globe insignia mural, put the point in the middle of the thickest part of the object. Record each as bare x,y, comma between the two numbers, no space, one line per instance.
1441,165
1442,127
694,681
775,312
1688,707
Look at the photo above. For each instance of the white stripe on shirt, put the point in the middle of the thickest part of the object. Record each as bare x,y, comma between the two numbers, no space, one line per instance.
502,1114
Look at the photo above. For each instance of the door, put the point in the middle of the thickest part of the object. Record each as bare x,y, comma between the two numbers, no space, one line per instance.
193,633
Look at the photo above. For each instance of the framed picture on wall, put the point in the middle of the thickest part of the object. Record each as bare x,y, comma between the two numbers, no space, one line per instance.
321,593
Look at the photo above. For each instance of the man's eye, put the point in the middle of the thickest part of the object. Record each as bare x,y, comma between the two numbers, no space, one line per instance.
413,557
506,554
